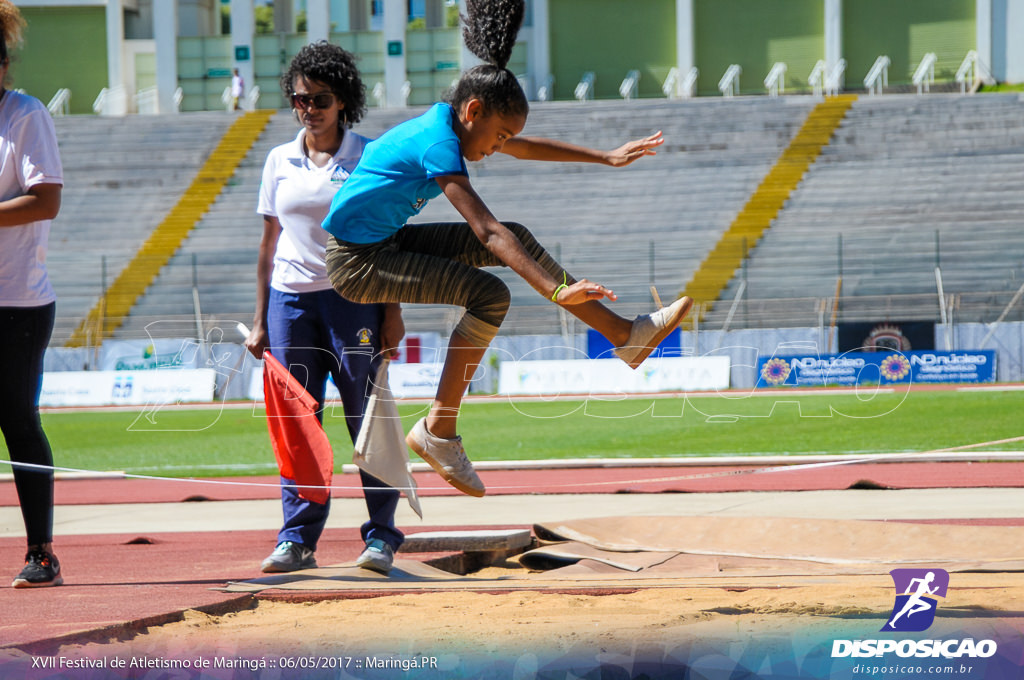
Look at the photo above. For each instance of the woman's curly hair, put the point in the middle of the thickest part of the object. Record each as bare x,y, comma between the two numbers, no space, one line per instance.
334,67
11,25
489,29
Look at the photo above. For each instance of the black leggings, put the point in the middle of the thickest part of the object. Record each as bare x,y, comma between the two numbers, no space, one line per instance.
24,334
434,264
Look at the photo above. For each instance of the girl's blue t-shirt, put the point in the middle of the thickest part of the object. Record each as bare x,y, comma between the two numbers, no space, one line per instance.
396,177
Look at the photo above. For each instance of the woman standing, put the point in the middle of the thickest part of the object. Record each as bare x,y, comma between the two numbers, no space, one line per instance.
31,178
308,327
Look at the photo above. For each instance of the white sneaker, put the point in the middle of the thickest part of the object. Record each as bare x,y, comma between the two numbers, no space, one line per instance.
650,329
447,457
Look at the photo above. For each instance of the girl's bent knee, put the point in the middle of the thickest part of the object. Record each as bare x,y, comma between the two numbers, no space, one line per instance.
492,306
476,332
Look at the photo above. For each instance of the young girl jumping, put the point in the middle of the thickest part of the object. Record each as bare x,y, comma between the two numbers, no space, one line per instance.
373,255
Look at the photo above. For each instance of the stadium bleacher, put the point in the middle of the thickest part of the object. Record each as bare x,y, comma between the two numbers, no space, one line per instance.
121,177
901,169
658,216
648,224
908,183
219,257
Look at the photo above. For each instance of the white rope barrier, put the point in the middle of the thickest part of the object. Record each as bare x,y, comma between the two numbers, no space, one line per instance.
885,457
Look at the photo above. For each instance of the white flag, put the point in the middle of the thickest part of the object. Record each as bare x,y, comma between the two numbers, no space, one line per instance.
380,446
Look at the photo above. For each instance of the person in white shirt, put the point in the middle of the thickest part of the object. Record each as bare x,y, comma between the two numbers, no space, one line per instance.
237,90
308,327
31,179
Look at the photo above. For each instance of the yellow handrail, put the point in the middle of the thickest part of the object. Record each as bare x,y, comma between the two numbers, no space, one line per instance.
764,204
117,301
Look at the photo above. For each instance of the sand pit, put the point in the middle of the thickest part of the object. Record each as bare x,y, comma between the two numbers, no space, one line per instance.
758,610
651,632
520,622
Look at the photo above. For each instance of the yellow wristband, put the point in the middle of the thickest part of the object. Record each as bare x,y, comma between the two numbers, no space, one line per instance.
564,284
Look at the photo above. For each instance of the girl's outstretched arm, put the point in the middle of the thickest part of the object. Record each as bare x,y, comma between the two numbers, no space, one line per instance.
504,244
543,149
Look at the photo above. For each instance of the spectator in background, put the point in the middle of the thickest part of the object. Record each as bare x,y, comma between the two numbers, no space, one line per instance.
308,327
31,179
237,90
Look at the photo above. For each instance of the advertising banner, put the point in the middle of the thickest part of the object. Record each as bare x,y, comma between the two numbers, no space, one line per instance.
407,380
143,355
111,388
612,376
886,336
880,368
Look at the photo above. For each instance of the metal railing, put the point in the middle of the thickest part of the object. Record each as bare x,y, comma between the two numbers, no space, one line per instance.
670,86
676,87
60,104
253,98
924,75
877,78
585,88
817,78
380,94
729,85
775,81
973,307
630,85
112,101
146,102
836,78
972,73
688,85
524,81
546,92
737,313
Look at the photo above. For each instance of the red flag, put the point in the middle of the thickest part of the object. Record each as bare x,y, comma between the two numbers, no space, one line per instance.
300,444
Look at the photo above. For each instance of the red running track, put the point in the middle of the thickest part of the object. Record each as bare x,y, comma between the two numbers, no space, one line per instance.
568,480
116,583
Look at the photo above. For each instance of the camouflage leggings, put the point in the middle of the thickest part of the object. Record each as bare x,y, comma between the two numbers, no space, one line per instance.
433,264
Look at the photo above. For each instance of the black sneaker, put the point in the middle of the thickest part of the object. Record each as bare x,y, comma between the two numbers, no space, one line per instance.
288,556
41,569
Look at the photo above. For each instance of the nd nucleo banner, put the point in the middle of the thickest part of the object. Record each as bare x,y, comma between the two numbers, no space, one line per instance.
884,368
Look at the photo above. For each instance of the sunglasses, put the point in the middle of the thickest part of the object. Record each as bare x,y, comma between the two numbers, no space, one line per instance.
322,100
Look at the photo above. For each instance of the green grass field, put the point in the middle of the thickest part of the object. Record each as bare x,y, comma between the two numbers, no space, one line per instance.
1003,87
233,441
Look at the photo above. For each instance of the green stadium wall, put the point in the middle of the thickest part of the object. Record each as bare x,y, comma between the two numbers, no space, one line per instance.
905,31
610,38
755,34
433,55
64,47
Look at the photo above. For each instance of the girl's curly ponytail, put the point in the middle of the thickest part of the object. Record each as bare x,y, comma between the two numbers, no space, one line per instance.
489,29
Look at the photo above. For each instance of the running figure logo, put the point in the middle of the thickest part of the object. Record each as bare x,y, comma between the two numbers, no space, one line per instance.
916,592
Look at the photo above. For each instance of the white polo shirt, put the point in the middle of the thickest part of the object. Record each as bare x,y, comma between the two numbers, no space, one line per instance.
28,156
299,194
